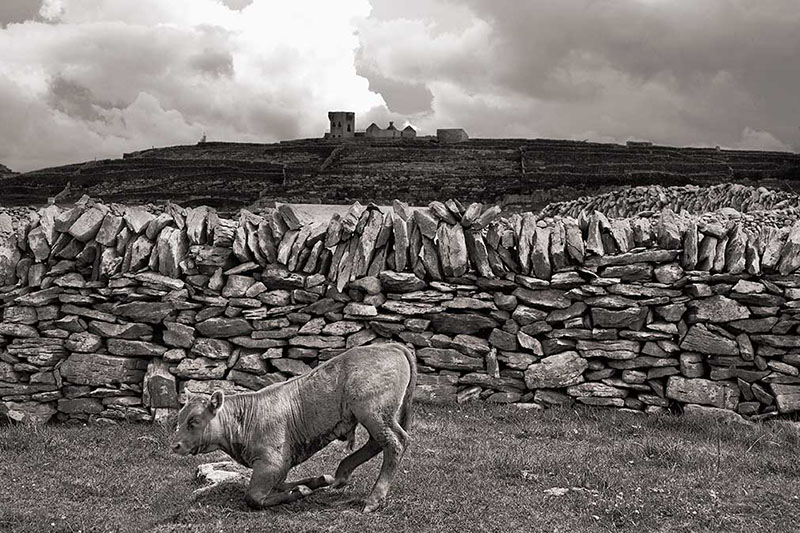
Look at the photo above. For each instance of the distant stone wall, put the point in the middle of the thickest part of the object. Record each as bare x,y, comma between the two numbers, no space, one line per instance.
112,312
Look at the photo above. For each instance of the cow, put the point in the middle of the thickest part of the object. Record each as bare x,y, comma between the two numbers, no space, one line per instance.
282,425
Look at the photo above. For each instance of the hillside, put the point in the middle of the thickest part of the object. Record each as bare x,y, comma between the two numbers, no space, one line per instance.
516,173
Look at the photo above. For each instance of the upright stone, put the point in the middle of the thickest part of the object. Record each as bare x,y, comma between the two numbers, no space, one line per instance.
159,386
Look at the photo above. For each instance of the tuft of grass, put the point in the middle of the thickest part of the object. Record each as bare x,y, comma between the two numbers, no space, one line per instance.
475,467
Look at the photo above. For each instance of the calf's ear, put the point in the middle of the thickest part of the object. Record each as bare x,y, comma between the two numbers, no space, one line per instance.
216,401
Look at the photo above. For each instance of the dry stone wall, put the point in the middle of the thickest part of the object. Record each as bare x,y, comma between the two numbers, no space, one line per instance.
112,312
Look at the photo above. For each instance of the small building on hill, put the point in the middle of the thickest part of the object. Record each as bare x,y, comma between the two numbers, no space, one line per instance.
343,124
451,135
375,132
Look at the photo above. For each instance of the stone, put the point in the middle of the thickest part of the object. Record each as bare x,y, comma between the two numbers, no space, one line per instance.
172,248
701,339
221,327
540,257
161,281
503,340
612,349
562,315
130,348
717,309
236,286
552,397
39,298
448,358
99,369
721,394
516,360
317,341
35,413
174,355
461,323
200,368
149,312
548,299
211,474
400,281
525,315
179,335
778,341
212,348
251,362
560,370
159,389
360,310
703,413
574,241
85,228
122,331
787,397
253,381
83,342
89,406
595,390
293,367
634,272
755,325
470,345
530,343
627,318
790,251
342,327
17,330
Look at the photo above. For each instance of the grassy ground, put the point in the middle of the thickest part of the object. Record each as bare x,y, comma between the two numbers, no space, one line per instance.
470,468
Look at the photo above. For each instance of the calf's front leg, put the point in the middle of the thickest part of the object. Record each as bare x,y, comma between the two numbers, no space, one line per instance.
266,484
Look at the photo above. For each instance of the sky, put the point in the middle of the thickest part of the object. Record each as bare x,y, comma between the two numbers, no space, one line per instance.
92,79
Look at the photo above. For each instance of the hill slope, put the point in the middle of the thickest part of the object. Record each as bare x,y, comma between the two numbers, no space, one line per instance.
512,172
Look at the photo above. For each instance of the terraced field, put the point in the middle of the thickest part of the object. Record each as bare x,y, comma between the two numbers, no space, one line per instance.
516,173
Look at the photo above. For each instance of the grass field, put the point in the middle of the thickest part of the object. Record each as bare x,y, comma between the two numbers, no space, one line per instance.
470,468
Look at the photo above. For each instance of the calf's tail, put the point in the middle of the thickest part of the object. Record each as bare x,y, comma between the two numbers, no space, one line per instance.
408,397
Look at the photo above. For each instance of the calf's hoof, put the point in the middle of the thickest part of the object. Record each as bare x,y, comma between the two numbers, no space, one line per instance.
303,490
370,506
339,483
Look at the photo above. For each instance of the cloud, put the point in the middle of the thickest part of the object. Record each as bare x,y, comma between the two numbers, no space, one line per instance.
679,72
82,80
96,79
12,11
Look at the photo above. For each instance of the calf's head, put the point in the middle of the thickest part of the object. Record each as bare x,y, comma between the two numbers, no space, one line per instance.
193,422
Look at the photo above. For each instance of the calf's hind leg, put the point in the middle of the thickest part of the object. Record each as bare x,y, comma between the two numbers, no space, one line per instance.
312,483
369,450
393,440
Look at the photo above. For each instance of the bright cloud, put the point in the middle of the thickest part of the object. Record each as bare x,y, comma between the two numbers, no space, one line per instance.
95,79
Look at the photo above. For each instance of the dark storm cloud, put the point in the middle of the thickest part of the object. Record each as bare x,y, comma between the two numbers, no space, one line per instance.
72,99
12,11
679,71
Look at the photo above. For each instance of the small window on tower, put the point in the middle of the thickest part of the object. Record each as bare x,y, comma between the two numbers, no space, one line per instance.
340,124
348,127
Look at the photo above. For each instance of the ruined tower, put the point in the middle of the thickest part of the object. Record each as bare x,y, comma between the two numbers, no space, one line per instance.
343,124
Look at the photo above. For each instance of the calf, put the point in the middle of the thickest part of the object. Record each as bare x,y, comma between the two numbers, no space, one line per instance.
284,424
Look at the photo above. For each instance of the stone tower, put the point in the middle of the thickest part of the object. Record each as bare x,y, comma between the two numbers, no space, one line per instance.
343,124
